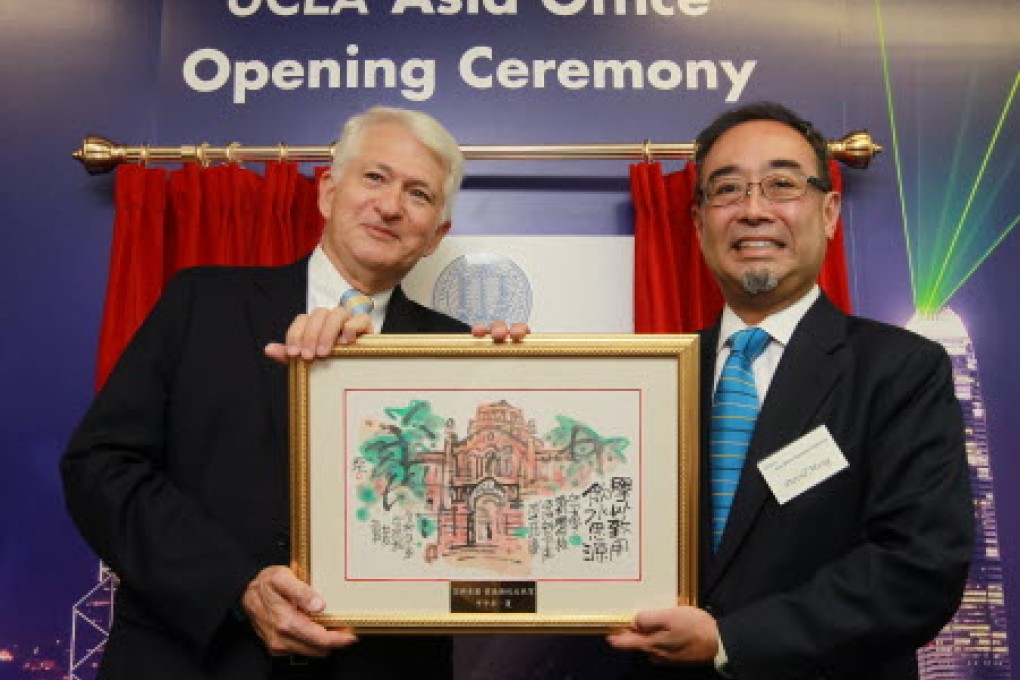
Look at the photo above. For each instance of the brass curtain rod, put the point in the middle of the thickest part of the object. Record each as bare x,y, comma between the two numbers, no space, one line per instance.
100,155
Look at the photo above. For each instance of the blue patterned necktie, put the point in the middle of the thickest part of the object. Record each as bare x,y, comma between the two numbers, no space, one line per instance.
734,414
356,302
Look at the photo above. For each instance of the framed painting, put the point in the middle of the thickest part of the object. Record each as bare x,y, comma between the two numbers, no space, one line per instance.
450,484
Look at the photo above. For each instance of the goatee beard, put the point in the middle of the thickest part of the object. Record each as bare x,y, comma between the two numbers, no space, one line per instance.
758,282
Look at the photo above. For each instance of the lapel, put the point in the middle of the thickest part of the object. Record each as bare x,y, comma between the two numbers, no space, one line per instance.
807,372
709,341
278,295
403,315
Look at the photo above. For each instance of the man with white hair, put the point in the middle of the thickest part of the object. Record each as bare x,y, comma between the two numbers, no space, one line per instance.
178,475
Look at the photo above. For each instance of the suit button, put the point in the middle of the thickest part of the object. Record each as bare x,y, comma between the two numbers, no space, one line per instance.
282,541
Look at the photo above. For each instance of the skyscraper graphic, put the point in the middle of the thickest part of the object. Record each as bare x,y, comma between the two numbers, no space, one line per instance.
91,617
973,646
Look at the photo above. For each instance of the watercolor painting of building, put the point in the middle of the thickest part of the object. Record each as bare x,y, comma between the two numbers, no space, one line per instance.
498,497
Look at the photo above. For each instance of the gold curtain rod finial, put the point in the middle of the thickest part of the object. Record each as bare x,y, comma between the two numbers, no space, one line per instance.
99,155
855,149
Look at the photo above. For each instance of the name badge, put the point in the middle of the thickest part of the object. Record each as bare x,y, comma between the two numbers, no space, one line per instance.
802,464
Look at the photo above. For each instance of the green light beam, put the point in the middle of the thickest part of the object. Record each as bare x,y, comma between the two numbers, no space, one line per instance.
917,213
942,301
974,187
972,238
896,147
953,179
954,167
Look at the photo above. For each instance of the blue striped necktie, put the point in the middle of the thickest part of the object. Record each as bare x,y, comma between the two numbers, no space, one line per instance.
356,302
734,414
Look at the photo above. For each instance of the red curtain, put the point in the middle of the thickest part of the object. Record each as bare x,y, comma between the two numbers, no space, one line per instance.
674,291
166,221
833,278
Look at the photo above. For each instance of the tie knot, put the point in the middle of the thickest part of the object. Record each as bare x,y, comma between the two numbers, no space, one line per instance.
749,343
356,302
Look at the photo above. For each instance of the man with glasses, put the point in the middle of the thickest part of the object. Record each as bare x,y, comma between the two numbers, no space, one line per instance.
836,513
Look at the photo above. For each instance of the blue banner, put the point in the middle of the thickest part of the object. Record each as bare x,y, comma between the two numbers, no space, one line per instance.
928,226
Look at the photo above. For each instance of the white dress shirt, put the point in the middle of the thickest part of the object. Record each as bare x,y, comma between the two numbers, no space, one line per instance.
325,286
779,326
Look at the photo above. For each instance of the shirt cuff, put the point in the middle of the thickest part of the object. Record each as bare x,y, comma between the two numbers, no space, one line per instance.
721,661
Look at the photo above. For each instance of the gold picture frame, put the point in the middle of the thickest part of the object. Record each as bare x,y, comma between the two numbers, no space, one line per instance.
445,483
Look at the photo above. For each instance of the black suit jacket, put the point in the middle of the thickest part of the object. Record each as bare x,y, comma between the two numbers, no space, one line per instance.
849,578
178,479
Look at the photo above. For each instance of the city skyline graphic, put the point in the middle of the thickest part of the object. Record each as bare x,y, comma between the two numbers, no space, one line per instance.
91,617
955,211
974,644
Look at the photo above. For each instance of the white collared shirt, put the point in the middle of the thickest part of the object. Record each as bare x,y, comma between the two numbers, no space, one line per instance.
325,286
779,326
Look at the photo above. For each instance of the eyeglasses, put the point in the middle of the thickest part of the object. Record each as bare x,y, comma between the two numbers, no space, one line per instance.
777,187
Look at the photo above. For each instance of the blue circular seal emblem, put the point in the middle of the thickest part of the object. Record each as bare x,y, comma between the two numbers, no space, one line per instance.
482,288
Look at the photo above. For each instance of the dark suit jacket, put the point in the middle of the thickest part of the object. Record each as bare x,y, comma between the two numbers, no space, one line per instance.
847,579
178,479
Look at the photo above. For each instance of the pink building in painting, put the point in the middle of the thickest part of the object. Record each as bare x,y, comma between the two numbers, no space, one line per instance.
476,487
